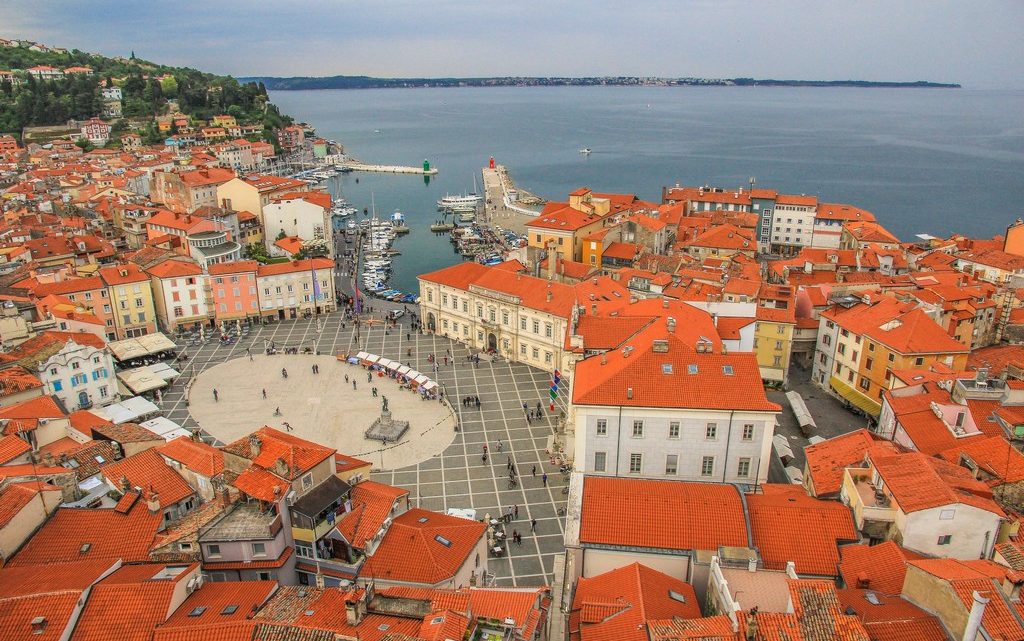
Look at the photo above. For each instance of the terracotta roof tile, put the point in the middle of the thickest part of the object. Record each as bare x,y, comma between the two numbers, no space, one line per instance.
424,547
371,504
788,525
616,605
918,482
150,472
715,514
827,460
879,567
74,534
300,455
11,447
196,456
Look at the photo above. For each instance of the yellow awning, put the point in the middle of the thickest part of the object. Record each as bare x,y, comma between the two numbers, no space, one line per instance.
855,398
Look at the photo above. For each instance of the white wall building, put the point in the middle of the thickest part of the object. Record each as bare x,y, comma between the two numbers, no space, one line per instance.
303,214
179,294
81,373
793,223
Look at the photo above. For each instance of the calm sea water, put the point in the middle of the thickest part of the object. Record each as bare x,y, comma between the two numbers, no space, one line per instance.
924,161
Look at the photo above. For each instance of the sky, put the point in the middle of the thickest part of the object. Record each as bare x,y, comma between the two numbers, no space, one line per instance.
975,43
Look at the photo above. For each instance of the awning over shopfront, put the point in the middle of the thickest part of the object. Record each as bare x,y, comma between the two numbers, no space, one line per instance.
855,398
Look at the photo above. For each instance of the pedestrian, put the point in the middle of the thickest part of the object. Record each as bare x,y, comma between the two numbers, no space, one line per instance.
533,525
545,479
538,409
508,462
515,536
485,448
408,337
353,384
484,458
534,471
346,379
264,393
215,395
369,377
499,445
446,361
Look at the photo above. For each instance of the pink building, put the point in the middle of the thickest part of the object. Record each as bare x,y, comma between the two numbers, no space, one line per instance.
234,290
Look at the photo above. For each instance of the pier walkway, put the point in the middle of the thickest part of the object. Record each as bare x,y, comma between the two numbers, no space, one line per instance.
499,208
388,169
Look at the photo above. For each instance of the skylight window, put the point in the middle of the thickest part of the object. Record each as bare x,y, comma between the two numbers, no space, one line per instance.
692,368
100,459
229,609
423,519
727,370
443,541
197,611
675,596
666,368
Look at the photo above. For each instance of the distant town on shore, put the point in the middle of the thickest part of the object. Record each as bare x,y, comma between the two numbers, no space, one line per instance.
367,82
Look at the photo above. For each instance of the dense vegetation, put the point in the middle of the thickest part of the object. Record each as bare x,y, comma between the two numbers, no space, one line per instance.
54,102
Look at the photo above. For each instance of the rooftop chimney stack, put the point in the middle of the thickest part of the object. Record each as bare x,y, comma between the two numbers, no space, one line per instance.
255,445
974,619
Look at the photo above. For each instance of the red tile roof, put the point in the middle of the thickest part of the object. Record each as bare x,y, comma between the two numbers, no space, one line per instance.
261,484
827,460
715,514
175,269
994,455
11,447
294,266
150,472
918,482
879,567
788,525
236,267
25,416
564,219
300,455
414,548
616,605
127,605
195,455
890,618
250,565
640,375
15,496
17,379
108,535
122,274
215,597
817,614
371,504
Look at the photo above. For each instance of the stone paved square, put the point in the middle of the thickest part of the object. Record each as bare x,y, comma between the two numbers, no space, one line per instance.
452,477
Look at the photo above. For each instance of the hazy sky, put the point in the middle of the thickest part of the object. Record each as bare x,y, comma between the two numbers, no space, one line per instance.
977,42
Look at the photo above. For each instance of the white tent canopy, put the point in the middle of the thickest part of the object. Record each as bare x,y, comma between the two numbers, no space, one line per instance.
129,410
147,345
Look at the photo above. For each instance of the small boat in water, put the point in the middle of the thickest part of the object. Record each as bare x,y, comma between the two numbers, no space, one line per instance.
585,151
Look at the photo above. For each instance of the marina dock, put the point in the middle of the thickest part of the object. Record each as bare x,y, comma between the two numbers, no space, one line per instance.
425,170
499,190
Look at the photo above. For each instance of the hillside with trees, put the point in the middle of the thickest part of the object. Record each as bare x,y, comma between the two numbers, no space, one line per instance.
146,88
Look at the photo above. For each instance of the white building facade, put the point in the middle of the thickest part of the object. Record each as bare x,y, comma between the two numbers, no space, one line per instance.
80,375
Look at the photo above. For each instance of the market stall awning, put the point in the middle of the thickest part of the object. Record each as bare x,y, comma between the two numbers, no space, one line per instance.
855,398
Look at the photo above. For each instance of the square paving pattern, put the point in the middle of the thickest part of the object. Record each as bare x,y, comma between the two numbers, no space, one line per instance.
458,477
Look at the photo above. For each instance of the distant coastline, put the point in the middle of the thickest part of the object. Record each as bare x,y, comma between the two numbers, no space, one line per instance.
367,82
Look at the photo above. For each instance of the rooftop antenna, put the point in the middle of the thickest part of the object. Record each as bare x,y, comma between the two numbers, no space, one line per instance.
753,180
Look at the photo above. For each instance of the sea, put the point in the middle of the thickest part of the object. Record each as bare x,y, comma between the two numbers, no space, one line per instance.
932,161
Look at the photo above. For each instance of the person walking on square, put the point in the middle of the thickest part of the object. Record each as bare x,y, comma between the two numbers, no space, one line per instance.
216,396
533,525
534,471
515,537
264,393
545,479
515,511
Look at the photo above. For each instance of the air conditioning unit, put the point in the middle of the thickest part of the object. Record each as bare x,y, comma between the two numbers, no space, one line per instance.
289,498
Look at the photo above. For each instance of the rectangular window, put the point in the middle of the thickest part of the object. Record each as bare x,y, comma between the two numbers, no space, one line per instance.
548,330
945,539
600,461
671,464
213,550
946,515
673,429
743,468
707,466
522,324
711,431
307,481
748,432
638,429
602,427
536,327
259,549
636,462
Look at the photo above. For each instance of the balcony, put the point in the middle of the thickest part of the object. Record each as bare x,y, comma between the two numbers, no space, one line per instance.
868,503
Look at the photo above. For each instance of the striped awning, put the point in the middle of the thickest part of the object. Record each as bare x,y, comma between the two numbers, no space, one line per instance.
855,398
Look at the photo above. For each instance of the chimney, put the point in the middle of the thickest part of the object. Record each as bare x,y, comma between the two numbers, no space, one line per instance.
224,497
629,392
974,619
254,445
664,302
604,359
752,627
39,625
123,484
549,295
48,459
153,502
281,468
752,564
355,607
671,324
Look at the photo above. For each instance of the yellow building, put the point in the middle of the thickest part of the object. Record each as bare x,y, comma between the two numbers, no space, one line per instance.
251,193
223,120
773,342
131,300
561,229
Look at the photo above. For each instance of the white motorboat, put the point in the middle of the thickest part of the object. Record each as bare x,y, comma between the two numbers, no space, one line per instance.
585,151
